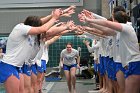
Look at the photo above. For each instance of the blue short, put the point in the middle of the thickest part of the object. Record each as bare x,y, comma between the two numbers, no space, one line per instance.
34,69
133,69
111,69
96,67
26,70
105,60
66,67
43,67
102,70
119,67
6,70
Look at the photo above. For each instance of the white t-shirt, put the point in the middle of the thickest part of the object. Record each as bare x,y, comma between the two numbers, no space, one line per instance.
34,52
42,54
116,48
96,49
18,46
102,46
45,55
108,46
129,47
69,58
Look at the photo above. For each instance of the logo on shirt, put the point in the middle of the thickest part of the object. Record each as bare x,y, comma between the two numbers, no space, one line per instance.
30,41
110,42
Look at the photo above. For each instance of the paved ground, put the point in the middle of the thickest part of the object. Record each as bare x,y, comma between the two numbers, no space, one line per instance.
82,85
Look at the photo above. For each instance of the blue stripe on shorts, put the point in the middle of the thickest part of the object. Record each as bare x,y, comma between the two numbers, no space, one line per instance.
66,67
133,69
26,69
43,67
6,70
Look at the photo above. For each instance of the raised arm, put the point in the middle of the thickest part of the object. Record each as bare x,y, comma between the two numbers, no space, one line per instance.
90,49
55,30
105,30
113,25
46,19
52,40
97,34
44,28
91,32
86,12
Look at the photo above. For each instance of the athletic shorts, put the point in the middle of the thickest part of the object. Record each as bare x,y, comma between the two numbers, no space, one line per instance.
96,67
105,61
26,70
119,67
34,69
66,67
102,70
111,69
133,69
6,70
43,67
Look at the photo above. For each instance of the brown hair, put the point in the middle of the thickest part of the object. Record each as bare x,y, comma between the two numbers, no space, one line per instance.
69,43
121,17
34,21
119,8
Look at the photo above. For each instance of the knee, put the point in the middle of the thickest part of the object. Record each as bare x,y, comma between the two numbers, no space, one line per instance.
73,76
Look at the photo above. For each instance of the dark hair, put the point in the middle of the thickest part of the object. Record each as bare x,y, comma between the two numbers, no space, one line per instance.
69,43
119,8
34,21
121,17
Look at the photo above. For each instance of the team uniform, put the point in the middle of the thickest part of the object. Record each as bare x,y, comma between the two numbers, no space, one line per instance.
42,57
18,48
29,65
129,50
117,58
69,59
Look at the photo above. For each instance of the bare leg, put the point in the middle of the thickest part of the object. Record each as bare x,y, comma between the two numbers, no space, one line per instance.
121,81
21,86
12,84
34,83
68,78
110,86
132,84
101,83
73,78
115,86
39,80
100,80
106,84
27,84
